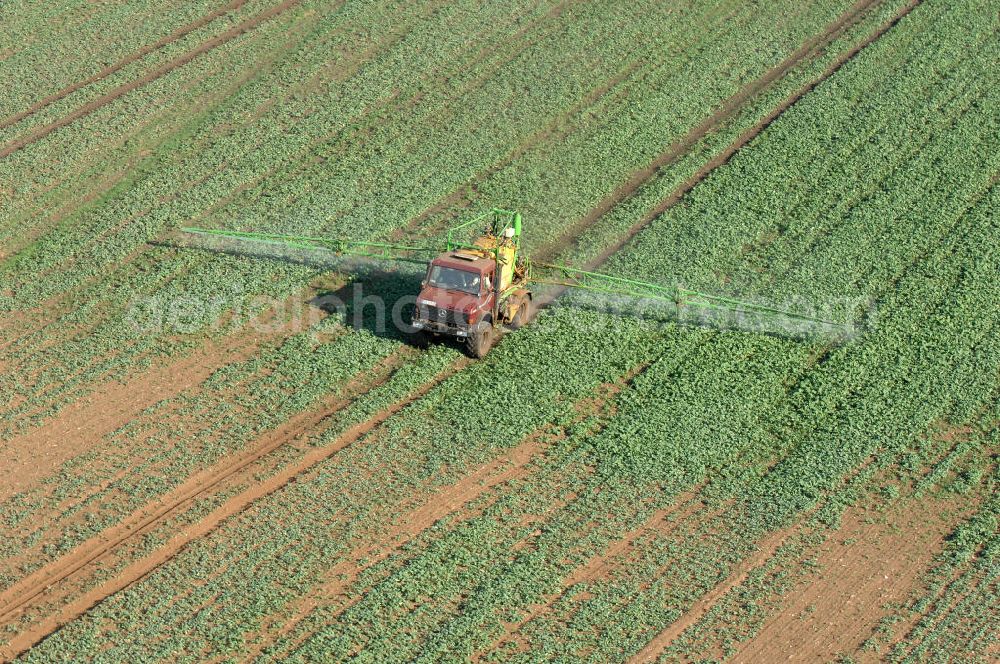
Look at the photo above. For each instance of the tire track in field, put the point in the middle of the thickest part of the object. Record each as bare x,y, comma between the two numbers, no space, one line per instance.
54,204
853,575
509,467
34,590
766,548
683,508
654,171
124,89
174,36
23,593
905,643
111,407
454,498
730,109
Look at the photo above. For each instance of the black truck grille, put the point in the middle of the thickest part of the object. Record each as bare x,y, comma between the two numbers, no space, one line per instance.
439,315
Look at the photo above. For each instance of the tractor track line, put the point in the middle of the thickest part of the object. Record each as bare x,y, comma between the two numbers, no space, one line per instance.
765,551
744,139
13,597
20,598
205,47
452,500
552,130
510,466
174,36
679,511
557,127
935,614
729,110
767,548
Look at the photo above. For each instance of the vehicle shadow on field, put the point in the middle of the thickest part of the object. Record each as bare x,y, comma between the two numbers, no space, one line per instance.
374,295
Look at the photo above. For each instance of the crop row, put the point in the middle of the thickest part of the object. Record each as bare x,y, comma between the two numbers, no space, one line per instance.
694,411
115,333
54,45
439,603
112,347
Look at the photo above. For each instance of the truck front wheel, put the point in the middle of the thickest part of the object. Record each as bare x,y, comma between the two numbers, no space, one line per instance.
480,341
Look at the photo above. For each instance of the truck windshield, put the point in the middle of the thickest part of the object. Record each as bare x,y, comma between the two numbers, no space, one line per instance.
451,279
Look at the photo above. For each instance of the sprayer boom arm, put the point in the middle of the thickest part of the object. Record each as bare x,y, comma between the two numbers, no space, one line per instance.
339,247
568,277
506,224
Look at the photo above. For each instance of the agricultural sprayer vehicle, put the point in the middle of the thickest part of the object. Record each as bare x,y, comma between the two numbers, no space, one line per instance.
472,289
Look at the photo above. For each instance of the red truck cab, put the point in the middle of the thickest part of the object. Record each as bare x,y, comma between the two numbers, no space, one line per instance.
457,295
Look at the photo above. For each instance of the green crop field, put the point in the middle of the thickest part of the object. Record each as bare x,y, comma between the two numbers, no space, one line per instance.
203,459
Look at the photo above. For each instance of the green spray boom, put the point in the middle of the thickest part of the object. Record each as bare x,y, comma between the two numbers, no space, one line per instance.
503,223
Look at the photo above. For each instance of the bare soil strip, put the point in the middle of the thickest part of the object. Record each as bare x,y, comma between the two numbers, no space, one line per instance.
906,633
37,453
180,33
35,589
512,466
765,551
18,598
684,507
862,568
121,90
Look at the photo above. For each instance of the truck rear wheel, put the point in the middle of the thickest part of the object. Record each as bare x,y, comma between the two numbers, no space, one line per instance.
523,314
480,341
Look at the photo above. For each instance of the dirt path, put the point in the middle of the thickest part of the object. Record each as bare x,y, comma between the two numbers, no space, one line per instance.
765,551
37,587
174,36
43,586
862,569
662,521
157,511
121,90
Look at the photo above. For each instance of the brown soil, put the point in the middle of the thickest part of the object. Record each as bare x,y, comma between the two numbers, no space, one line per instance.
765,550
661,522
42,586
862,569
197,485
121,90
406,526
180,33
38,453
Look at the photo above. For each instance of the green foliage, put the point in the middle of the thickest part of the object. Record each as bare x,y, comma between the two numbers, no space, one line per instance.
874,197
